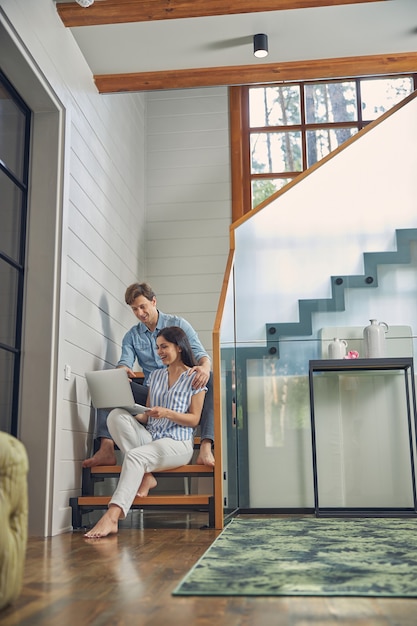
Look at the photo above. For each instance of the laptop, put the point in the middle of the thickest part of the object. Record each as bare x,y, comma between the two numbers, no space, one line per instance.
111,389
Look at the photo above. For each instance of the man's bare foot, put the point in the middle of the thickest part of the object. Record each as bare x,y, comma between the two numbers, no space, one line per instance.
107,525
148,482
104,456
205,456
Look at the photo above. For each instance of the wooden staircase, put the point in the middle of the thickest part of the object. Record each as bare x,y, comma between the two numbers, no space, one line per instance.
88,501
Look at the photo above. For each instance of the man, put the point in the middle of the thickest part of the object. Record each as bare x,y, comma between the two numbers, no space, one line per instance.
139,344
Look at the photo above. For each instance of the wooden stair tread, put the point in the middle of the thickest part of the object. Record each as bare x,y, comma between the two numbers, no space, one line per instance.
88,502
198,499
184,469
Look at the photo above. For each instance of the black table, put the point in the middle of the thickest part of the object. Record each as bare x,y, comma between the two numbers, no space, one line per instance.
370,365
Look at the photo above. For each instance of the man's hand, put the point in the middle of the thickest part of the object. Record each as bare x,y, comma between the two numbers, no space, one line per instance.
201,376
130,373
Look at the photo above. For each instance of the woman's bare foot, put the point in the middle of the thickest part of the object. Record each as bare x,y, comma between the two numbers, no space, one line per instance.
205,456
104,456
107,525
148,482
106,546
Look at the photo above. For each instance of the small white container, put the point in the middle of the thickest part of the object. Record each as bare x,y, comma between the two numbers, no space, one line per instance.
337,349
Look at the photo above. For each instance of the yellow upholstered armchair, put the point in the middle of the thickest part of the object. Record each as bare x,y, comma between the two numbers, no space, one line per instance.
13,517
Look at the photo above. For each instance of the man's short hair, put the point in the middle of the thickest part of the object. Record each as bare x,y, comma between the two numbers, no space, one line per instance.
138,289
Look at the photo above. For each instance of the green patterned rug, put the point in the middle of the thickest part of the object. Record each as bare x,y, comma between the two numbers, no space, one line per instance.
308,557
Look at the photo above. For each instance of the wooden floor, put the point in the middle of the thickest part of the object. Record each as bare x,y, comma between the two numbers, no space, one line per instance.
128,579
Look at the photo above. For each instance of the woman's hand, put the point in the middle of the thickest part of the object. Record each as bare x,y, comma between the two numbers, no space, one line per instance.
157,412
191,418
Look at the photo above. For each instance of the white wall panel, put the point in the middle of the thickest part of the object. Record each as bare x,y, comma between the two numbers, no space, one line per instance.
190,141
100,218
180,265
196,228
158,248
219,155
169,288
216,209
192,122
192,302
192,192
188,202
190,175
188,102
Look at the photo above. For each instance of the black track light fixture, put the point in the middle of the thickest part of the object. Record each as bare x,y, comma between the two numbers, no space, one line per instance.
260,45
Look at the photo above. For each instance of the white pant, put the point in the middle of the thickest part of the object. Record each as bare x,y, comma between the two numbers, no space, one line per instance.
141,455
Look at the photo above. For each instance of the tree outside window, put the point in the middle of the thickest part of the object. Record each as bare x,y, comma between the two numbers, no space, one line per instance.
292,126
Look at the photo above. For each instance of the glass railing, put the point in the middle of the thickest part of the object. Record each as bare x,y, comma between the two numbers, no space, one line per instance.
335,250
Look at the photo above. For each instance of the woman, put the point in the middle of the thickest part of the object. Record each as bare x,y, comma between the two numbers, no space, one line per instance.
161,438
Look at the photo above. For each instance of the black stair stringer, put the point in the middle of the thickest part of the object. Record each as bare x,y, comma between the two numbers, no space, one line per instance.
306,308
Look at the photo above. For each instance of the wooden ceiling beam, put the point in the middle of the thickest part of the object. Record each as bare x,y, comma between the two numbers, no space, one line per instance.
257,74
124,11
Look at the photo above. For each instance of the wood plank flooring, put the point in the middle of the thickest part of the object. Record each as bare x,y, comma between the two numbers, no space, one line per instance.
128,579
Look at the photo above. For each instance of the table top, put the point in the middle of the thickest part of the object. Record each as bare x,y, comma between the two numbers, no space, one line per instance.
335,365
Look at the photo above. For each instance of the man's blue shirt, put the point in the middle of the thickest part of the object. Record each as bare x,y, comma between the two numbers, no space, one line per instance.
140,343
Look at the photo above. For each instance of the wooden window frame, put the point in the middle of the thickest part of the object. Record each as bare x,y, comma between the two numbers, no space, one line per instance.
240,134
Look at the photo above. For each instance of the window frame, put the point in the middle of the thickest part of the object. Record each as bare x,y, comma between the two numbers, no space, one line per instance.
21,182
242,176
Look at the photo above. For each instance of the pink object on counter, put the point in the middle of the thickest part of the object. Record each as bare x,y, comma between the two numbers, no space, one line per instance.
352,354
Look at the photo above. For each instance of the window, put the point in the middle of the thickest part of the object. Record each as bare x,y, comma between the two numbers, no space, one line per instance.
14,171
291,126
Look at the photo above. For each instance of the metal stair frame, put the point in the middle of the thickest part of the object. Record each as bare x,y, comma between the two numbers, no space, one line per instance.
369,279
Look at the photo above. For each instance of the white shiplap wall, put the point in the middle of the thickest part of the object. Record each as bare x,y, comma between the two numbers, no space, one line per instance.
105,249
188,203
101,248
107,239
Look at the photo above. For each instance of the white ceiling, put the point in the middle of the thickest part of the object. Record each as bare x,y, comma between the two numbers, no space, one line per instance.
388,26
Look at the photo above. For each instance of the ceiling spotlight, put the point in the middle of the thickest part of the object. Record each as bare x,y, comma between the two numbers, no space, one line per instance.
85,3
260,45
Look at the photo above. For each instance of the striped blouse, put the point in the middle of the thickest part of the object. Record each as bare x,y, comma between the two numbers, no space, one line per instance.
177,398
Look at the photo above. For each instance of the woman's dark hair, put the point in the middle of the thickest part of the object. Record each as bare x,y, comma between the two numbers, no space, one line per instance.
175,334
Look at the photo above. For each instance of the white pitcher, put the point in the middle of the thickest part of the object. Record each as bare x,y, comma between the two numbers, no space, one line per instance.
374,339
337,349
